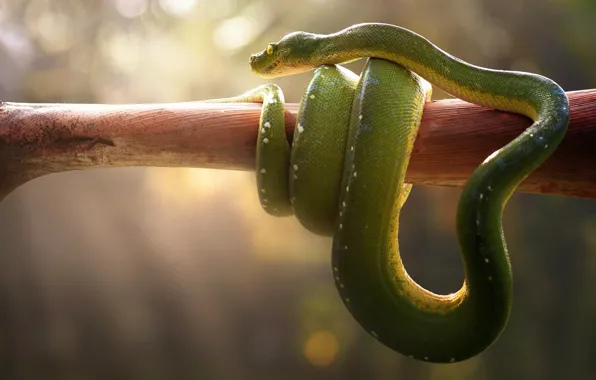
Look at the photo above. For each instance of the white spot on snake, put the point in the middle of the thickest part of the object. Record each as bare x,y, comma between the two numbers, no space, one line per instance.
426,358
263,191
295,176
481,195
335,269
490,278
347,188
267,124
452,360
477,222
341,285
545,146
341,226
263,170
490,188
265,200
264,206
411,356
312,96
341,213
343,204
347,300
486,260
373,80
337,278
300,128
355,174
373,333
345,247
351,149
265,140
359,117
263,130
295,167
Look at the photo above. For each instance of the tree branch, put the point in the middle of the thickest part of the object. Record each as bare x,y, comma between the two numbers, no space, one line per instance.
454,138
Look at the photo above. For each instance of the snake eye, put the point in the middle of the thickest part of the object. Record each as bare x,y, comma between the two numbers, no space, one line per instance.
270,49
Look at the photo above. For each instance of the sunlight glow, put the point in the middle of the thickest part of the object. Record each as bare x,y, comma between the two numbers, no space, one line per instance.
272,239
54,30
122,50
239,31
234,33
187,185
130,8
178,7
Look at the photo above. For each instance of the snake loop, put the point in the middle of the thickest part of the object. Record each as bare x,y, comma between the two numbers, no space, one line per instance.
344,176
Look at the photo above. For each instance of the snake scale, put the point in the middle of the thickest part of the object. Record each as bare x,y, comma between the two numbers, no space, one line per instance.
343,176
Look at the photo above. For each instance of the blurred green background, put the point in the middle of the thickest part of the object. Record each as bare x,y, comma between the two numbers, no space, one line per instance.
149,273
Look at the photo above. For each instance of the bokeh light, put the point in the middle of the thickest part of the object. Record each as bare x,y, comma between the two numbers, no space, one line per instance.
321,348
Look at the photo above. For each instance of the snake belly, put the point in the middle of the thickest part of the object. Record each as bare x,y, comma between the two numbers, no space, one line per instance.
364,128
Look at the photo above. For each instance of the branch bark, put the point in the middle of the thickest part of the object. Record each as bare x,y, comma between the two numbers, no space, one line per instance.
454,138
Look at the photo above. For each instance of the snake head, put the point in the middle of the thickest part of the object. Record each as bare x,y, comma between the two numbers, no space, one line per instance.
288,56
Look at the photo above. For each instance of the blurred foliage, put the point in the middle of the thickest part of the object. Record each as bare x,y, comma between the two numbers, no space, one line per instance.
143,273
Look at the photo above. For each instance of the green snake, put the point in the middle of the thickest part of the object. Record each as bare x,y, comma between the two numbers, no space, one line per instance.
343,176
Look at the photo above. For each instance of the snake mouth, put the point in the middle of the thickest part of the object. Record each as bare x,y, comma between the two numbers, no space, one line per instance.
264,65
273,66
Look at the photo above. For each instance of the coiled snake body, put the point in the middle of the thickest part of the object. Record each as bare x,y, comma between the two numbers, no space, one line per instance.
344,176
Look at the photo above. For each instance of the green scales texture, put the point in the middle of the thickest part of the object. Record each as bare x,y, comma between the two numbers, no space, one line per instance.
344,175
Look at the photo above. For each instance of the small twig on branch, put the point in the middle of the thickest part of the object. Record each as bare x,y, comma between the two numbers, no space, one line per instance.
454,138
